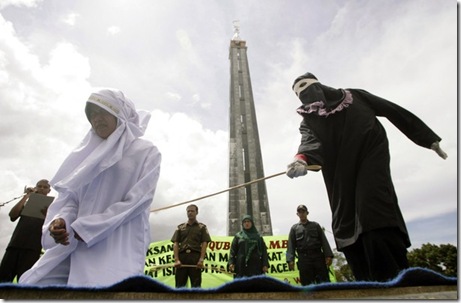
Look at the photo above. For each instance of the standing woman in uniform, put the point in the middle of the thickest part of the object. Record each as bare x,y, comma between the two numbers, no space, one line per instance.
248,253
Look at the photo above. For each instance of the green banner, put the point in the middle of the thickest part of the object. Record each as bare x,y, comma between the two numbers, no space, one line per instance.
160,259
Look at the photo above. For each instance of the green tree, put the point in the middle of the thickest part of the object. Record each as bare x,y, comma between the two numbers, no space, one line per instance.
343,271
442,259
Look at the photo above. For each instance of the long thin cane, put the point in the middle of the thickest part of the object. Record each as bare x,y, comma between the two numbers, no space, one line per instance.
309,167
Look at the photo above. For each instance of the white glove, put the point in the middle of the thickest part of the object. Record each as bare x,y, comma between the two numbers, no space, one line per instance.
436,147
297,168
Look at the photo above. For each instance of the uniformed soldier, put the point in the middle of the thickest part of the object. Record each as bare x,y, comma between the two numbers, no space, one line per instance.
307,240
190,243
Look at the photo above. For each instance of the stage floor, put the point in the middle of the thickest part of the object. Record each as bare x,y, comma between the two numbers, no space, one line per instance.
439,292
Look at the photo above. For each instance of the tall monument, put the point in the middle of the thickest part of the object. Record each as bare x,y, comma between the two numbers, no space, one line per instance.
245,160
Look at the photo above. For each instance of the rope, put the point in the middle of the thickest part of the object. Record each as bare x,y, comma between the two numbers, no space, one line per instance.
309,167
4,203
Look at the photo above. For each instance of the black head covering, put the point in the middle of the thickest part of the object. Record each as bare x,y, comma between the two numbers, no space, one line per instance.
307,75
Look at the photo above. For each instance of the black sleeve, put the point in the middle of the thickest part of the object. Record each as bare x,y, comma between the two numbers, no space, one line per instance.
233,251
265,256
408,123
325,245
291,248
310,146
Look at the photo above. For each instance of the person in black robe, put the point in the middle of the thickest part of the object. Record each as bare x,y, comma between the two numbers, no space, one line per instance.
248,253
341,133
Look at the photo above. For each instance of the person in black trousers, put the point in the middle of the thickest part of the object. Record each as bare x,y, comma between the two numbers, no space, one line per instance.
190,243
307,241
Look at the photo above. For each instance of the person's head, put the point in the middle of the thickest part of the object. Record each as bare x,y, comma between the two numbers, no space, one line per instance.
247,222
302,82
309,90
43,187
109,111
192,211
302,212
102,122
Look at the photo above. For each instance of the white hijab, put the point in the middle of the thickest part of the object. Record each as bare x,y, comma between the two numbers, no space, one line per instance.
95,154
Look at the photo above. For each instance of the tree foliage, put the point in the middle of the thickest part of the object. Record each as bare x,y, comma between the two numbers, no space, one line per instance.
442,259
343,271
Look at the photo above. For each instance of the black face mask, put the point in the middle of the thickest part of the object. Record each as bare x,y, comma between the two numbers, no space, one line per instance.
316,92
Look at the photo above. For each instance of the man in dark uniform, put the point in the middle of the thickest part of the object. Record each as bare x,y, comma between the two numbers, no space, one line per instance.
25,246
307,240
340,131
190,243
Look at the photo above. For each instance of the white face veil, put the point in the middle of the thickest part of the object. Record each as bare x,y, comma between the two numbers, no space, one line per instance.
95,154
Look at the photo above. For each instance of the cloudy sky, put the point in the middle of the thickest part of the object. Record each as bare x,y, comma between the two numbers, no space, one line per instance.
171,58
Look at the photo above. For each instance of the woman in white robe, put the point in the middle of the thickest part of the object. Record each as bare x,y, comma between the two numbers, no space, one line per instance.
105,189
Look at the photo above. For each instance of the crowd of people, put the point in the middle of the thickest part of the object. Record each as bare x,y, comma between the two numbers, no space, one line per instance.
106,186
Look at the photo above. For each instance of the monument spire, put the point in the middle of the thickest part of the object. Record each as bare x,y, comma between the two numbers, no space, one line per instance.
245,159
236,25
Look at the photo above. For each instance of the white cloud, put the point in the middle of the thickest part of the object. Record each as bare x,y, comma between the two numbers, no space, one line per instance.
4,77
70,19
15,55
196,98
113,30
66,67
184,40
206,105
188,52
193,166
173,96
19,3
